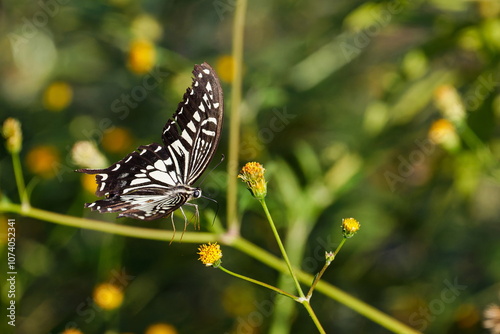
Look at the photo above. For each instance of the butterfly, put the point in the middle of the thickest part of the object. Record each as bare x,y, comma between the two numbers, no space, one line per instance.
156,180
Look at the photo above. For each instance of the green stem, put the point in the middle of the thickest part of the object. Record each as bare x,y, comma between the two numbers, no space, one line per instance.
268,286
317,278
237,242
129,231
313,316
282,248
18,174
234,121
325,288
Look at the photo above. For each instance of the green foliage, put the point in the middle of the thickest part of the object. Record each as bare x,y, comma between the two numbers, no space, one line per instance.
386,111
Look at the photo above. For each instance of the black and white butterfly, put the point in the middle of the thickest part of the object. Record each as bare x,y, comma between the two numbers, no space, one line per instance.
156,180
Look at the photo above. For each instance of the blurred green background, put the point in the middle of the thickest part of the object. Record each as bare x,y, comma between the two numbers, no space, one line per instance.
386,111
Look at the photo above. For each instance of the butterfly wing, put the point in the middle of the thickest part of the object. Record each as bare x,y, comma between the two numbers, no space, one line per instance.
192,135
155,180
143,185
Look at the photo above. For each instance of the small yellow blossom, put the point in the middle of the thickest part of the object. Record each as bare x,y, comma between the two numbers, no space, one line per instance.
72,331
42,160
161,328
57,96
117,140
450,104
108,296
210,254
142,56
349,227
443,132
225,66
89,183
253,175
11,131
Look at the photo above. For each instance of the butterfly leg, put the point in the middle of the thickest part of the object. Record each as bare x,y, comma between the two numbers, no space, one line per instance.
196,215
173,226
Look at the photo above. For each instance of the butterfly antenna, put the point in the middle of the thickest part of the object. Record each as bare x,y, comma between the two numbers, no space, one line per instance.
211,170
216,210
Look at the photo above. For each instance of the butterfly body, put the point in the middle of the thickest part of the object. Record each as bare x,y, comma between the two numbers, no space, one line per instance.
156,180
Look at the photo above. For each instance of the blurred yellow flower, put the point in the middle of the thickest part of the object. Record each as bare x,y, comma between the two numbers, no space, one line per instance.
225,67
443,132
449,103
89,183
13,135
253,175
142,56
349,227
117,140
210,254
108,296
161,328
42,160
57,96
72,331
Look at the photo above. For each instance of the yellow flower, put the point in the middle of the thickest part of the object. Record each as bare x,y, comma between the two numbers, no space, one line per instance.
161,329
11,131
42,160
117,140
108,296
72,331
89,183
253,174
349,227
449,103
225,66
210,254
443,133
142,56
57,96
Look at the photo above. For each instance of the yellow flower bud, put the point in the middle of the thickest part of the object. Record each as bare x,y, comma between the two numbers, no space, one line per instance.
253,175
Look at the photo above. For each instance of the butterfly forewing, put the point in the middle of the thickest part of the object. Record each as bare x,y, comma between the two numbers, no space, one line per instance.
193,134
156,180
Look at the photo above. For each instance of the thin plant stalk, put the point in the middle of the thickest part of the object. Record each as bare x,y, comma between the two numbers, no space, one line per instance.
281,247
234,122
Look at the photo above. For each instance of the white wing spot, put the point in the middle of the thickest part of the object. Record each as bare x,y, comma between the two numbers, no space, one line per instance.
157,149
202,107
208,132
102,186
196,116
116,167
216,105
209,86
186,136
207,71
128,159
160,166
103,176
191,126
138,181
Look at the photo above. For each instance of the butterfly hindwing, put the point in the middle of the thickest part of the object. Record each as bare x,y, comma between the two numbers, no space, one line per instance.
156,180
